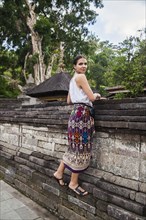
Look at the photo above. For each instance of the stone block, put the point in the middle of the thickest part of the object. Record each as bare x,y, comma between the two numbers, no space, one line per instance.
142,187
132,195
9,179
9,151
19,185
143,171
2,169
26,170
100,194
21,178
119,201
49,172
46,145
101,205
48,158
49,202
60,148
6,145
38,161
38,179
82,204
23,175
104,215
31,165
23,155
20,160
121,214
90,216
6,155
12,139
37,154
127,167
87,186
143,144
25,151
51,189
113,188
141,198
130,184
32,193
67,213
41,169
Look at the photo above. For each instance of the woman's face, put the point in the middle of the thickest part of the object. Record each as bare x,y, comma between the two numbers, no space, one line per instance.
81,65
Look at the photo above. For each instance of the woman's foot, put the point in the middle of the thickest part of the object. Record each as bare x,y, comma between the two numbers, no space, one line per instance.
78,190
59,179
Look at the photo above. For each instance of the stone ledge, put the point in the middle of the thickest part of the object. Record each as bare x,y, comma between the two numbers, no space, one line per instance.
121,202
122,214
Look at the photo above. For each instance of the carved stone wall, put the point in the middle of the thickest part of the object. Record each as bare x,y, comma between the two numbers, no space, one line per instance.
34,138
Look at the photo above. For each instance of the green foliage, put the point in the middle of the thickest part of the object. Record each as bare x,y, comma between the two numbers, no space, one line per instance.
7,89
66,21
123,65
10,74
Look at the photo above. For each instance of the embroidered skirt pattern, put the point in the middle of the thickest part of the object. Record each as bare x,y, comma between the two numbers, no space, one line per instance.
80,139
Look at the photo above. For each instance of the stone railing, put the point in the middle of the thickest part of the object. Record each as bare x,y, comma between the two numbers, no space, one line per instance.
34,138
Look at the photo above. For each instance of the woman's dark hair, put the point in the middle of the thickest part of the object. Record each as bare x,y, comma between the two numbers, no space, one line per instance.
77,58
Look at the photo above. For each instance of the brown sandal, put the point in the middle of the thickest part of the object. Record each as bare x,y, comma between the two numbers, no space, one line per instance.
79,192
58,181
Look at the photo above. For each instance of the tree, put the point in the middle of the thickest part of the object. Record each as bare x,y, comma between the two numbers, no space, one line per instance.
128,67
36,28
9,72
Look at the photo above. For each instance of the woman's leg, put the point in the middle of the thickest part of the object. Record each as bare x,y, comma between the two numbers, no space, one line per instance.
74,180
74,185
59,173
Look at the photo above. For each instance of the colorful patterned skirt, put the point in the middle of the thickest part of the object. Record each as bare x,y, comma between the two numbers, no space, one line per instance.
80,138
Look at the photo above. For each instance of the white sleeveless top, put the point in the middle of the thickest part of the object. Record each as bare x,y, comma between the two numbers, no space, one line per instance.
77,95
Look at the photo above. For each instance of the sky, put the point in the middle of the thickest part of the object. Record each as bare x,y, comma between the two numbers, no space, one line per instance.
119,19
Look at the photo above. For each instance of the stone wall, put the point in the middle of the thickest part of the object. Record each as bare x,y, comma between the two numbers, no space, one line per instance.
34,138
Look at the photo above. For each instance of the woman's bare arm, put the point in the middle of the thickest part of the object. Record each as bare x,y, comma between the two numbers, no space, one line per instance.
82,82
68,99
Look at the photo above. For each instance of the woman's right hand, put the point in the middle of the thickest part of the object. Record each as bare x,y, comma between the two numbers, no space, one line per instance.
97,96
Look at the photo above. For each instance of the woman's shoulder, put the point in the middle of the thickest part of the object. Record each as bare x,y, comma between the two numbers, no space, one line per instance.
79,77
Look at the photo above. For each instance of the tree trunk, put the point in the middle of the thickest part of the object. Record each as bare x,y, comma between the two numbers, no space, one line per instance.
39,67
61,56
50,66
24,68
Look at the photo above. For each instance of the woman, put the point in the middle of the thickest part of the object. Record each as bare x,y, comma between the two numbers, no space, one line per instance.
80,127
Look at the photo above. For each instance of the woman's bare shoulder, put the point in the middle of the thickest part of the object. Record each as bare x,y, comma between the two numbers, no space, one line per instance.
80,77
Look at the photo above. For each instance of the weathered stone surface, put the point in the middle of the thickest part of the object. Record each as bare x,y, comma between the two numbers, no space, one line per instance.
51,189
82,204
6,155
114,189
143,171
124,203
23,155
20,160
22,178
90,216
3,169
101,205
142,187
141,198
131,184
38,179
38,161
25,151
116,181
26,170
121,214
68,214
37,154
